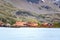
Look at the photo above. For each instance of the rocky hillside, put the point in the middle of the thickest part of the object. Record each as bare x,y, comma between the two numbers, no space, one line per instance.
6,11
24,10
37,6
50,18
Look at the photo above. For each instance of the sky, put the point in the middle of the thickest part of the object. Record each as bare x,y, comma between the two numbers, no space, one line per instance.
29,33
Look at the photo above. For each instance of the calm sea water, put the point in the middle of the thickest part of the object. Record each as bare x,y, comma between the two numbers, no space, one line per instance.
29,33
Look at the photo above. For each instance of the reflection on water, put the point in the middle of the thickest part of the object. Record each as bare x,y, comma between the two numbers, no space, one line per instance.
29,34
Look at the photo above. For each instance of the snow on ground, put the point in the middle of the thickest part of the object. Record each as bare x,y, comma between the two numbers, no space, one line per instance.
29,33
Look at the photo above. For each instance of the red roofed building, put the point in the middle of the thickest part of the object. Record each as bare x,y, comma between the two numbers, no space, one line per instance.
19,23
32,24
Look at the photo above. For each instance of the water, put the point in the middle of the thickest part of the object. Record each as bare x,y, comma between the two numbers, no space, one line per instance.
29,33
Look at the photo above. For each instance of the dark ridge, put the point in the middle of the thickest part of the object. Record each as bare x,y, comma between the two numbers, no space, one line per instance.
46,7
33,1
23,13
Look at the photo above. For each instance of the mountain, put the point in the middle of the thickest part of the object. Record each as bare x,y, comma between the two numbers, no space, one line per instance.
28,10
6,10
36,7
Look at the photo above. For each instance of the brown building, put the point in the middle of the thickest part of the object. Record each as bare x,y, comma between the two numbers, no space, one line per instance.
19,24
48,25
44,25
32,24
